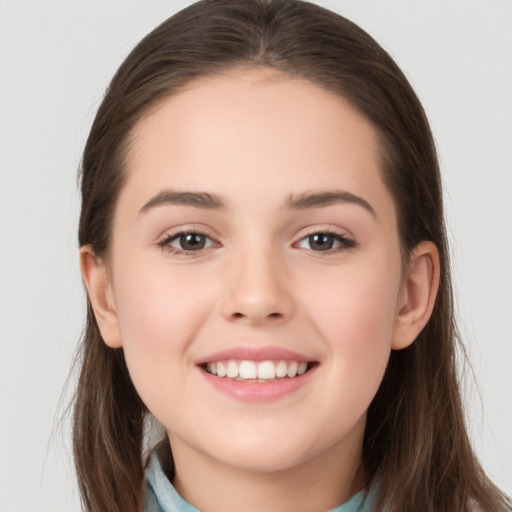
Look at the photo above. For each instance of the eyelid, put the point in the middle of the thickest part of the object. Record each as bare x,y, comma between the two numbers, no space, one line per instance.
347,241
325,229
192,227
164,241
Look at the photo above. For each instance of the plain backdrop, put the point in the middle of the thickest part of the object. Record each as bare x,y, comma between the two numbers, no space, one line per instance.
56,58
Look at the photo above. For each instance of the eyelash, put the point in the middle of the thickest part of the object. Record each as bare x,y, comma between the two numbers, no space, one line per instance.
344,242
165,243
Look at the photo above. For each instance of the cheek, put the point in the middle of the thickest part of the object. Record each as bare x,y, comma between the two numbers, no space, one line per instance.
159,316
357,307
157,303
356,315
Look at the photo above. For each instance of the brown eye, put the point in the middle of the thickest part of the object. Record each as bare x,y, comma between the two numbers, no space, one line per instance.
321,242
192,241
326,242
186,242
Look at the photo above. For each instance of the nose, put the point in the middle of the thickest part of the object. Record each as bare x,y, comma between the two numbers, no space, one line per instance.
259,290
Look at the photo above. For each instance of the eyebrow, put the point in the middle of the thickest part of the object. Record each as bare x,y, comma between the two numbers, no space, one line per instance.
303,201
202,200
322,199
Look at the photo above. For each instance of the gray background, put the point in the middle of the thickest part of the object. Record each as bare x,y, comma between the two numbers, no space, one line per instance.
56,58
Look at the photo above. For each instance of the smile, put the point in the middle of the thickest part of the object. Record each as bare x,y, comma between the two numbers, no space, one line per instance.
257,374
257,371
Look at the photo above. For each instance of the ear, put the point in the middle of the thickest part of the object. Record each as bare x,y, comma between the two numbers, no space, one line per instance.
417,295
97,280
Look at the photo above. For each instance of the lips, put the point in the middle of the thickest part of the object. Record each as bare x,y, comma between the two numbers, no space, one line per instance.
257,374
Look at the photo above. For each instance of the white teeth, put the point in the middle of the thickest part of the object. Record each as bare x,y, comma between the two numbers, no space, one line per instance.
266,370
221,370
258,371
232,370
281,369
248,370
292,369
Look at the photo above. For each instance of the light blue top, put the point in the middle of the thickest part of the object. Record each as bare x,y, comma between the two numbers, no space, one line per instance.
161,496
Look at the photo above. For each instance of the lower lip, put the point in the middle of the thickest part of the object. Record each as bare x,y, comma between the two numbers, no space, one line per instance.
258,391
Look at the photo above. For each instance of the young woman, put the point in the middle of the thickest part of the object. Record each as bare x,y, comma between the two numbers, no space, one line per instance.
263,246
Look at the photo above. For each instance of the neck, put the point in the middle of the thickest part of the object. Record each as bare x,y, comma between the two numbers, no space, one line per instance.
317,484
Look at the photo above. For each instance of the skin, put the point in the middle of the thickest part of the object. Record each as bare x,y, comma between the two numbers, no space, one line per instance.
255,138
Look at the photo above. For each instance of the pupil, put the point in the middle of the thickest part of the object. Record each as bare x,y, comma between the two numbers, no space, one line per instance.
321,242
192,241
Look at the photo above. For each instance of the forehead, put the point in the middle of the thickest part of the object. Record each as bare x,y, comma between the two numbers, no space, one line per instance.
253,128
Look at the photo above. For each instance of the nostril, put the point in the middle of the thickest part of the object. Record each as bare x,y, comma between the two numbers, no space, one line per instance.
270,315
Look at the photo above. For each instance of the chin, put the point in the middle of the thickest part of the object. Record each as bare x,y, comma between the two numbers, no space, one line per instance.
265,463
263,455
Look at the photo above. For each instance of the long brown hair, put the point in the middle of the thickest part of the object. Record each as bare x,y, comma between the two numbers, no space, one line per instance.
416,445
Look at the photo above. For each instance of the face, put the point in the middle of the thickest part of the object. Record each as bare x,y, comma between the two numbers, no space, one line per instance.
255,272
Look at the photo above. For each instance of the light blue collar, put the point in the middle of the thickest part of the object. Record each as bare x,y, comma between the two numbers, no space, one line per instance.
161,496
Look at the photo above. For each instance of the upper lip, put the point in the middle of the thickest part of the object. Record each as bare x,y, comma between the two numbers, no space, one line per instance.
250,353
